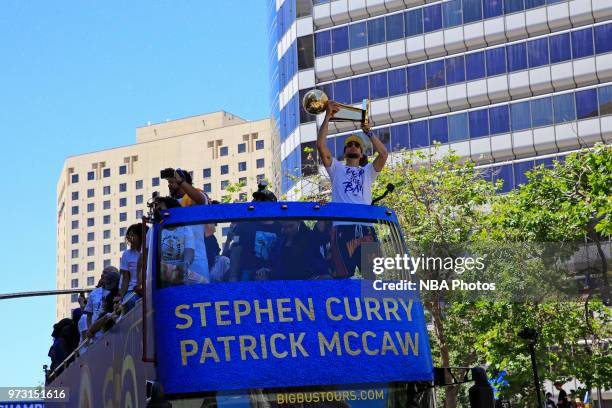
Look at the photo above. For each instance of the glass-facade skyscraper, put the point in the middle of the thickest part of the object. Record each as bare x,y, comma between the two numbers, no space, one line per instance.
508,83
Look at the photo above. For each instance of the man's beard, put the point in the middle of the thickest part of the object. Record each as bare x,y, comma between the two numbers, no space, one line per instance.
353,156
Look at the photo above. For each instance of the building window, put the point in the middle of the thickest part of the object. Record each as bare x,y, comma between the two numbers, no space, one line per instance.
520,116
242,180
122,246
106,173
74,268
106,190
413,20
586,103
122,187
138,214
416,78
260,178
241,147
305,52
563,106
496,61
90,207
457,127
74,178
122,169
207,188
106,234
75,210
91,175
242,166
223,151
75,239
75,253
75,195
475,65
259,144
224,184
582,43
107,262
122,231
90,281
138,184
122,202
122,217
91,251
107,249
517,57
155,181
74,283
91,266
90,236
139,199
106,204
242,197
75,224
206,173
537,52
541,112
225,169
91,222
260,163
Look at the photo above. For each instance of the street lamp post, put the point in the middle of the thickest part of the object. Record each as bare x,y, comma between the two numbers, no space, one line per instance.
531,336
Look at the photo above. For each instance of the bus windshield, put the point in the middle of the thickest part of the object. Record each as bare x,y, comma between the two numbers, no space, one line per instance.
268,249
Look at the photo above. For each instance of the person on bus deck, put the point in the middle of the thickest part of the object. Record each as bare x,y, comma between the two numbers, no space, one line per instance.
252,242
128,267
183,255
218,265
96,303
295,255
181,188
351,183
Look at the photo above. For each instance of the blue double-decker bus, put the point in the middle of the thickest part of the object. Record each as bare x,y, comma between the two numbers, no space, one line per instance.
284,312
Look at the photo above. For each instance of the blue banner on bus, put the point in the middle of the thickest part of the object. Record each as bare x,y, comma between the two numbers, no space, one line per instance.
242,335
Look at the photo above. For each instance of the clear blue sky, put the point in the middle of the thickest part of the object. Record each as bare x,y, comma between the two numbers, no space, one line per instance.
81,76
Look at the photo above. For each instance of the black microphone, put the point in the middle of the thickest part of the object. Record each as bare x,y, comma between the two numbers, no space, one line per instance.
389,189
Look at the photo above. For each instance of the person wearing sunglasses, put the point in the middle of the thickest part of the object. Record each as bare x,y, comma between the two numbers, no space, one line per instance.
351,183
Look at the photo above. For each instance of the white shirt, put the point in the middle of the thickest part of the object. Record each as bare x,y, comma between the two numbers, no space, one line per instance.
173,245
351,184
94,304
129,262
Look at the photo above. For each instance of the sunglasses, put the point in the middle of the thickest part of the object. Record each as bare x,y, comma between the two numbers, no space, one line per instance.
349,144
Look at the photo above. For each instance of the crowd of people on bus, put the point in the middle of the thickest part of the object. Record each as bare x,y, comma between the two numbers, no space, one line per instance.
257,250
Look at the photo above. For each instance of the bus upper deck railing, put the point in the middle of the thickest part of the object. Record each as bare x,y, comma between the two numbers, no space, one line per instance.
114,316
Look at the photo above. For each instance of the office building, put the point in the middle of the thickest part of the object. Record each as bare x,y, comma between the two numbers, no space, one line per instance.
507,83
100,194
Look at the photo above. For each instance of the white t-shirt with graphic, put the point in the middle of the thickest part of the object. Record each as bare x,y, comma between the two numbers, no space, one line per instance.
173,245
351,184
95,304
129,262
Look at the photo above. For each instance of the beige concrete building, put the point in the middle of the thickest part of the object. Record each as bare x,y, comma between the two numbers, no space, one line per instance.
100,194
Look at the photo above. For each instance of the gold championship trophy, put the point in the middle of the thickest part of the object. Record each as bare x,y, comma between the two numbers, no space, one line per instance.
315,102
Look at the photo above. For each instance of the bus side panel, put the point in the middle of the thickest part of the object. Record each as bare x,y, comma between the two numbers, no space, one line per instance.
110,373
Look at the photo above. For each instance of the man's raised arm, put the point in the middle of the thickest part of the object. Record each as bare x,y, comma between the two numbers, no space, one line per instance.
379,147
326,156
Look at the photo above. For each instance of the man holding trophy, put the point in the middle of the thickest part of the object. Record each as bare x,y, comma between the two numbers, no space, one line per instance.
351,181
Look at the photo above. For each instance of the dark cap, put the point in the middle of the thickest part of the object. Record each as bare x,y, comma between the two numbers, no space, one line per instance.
263,194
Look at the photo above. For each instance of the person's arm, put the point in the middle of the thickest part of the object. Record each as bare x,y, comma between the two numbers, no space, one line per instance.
125,281
197,196
326,156
379,147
